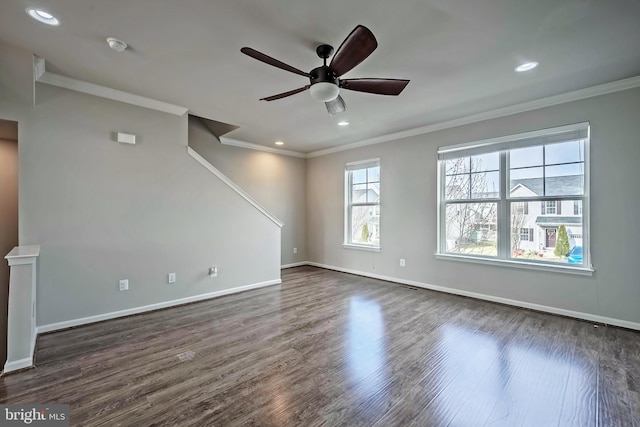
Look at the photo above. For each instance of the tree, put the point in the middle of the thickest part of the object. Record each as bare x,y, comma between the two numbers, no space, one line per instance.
365,233
468,223
562,244
517,221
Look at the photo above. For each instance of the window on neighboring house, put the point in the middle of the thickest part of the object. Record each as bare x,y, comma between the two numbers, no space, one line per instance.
526,234
362,204
551,208
500,198
521,208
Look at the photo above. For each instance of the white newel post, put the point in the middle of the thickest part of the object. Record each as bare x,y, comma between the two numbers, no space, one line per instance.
21,319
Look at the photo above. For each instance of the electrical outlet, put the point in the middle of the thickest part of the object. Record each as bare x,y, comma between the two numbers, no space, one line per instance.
171,278
124,285
213,271
402,264
295,250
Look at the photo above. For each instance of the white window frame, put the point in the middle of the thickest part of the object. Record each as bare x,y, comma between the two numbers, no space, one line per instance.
503,145
348,203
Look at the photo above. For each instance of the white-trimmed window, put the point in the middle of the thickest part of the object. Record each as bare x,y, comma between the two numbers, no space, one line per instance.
551,207
362,204
520,199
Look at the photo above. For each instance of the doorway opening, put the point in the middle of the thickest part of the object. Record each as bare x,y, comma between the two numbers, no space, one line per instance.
8,217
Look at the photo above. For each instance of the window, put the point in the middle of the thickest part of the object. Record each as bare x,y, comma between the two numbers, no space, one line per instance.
521,208
521,199
550,208
526,234
577,208
362,202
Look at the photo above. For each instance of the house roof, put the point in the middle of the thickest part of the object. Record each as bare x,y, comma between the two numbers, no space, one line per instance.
570,184
460,57
554,220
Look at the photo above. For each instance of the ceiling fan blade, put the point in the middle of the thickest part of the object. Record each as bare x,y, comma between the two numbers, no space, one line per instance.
336,106
377,86
353,50
285,94
271,61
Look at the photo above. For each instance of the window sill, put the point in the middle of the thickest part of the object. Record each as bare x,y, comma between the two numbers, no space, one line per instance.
361,247
584,271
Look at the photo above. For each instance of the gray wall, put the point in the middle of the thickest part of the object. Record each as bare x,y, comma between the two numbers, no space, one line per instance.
16,75
409,207
8,226
275,181
104,211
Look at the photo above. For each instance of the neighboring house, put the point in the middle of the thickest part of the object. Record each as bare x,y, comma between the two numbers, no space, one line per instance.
538,222
370,216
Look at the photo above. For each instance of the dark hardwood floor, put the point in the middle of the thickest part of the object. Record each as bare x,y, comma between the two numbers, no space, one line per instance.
327,348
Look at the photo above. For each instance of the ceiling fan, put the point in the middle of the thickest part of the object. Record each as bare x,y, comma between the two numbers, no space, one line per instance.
325,82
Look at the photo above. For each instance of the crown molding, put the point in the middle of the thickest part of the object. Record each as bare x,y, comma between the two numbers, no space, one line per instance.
576,95
41,75
251,146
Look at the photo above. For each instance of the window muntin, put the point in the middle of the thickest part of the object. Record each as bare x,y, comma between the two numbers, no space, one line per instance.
546,168
362,222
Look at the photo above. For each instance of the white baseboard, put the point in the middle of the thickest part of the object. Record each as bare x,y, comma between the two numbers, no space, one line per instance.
34,339
295,264
538,307
17,365
27,362
151,307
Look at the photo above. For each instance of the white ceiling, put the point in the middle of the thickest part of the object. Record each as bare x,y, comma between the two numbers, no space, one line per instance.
458,54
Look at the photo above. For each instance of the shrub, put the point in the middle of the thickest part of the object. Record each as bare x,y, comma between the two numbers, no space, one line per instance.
562,244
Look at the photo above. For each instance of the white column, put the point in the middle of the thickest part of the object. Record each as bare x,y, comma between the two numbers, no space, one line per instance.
21,319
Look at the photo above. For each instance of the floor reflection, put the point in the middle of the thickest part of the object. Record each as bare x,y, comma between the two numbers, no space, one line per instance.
467,357
502,381
366,357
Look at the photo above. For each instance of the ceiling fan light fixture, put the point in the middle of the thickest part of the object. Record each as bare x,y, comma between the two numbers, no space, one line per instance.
324,91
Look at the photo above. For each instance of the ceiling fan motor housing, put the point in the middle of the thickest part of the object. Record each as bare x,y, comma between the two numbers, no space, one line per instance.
323,74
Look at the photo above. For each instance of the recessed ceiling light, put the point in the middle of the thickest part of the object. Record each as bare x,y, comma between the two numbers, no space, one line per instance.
117,45
279,143
43,16
526,66
343,123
